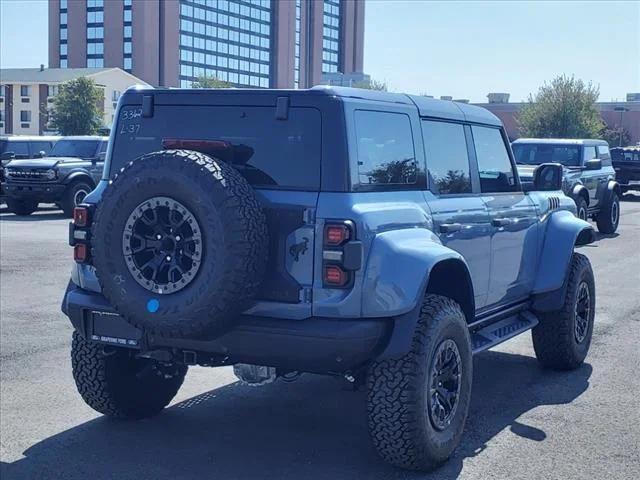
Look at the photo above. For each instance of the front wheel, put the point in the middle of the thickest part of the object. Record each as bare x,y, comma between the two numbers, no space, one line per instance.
562,338
117,384
73,196
418,403
22,207
609,216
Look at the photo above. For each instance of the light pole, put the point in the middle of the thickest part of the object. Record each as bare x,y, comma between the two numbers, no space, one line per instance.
621,110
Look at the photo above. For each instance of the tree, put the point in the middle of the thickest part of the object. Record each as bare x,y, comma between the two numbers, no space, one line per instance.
564,108
616,136
209,82
372,84
76,108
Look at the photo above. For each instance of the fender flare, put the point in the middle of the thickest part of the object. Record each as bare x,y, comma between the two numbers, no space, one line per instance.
580,190
79,175
399,267
563,232
612,187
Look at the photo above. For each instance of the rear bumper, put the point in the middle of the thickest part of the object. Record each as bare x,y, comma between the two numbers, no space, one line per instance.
43,192
316,344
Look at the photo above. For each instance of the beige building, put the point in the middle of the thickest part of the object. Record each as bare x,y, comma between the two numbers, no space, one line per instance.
247,43
26,95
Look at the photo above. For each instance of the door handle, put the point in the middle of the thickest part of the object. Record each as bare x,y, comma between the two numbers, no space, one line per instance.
500,222
450,227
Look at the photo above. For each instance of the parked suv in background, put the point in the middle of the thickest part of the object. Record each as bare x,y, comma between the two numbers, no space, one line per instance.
64,177
589,177
20,147
339,231
626,163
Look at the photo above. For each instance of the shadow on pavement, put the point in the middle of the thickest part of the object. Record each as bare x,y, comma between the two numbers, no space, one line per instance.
630,197
310,429
41,214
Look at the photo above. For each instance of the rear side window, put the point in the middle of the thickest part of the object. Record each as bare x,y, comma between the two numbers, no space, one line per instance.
494,166
266,151
605,155
385,148
447,157
589,153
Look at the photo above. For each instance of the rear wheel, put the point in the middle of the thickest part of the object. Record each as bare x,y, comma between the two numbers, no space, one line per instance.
562,338
22,207
609,216
418,403
115,383
73,196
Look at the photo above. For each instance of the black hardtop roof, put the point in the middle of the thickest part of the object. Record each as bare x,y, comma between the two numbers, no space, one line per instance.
427,107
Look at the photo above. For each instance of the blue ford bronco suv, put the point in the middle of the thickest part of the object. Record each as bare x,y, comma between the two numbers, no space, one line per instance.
381,237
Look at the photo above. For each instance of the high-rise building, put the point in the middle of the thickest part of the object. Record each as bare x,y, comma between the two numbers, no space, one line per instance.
249,43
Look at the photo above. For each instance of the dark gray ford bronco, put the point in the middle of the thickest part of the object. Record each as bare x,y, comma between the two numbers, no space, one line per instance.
64,176
380,237
589,178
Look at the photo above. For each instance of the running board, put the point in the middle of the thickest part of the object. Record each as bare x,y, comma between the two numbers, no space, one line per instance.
501,331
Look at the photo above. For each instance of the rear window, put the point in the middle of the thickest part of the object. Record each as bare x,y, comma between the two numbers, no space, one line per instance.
385,148
535,154
269,153
74,148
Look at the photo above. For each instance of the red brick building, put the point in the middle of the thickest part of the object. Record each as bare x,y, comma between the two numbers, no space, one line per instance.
614,114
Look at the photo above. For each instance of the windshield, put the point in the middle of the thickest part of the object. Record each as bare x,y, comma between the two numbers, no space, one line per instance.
74,148
535,154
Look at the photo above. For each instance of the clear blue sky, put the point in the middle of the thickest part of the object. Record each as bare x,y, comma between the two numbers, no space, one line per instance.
463,49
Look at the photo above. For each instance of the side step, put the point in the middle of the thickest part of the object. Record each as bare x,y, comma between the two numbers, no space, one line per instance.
496,333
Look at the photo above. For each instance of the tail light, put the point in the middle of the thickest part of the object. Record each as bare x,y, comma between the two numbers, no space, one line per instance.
81,216
79,234
341,254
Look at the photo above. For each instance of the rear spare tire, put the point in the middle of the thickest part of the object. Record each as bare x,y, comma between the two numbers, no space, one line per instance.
179,243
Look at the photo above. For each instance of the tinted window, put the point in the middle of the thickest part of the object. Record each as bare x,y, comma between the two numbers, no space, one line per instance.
385,148
19,148
447,157
266,151
494,165
589,153
103,147
40,146
532,154
605,155
74,148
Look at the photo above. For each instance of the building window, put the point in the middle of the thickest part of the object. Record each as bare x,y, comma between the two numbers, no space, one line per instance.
127,15
95,62
331,33
2,91
52,90
63,18
229,40
95,33
115,95
296,67
127,64
63,4
25,115
63,49
63,63
25,90
128,33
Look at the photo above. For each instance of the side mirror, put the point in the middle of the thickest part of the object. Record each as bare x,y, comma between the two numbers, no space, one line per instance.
40,154
548,177
593,164
7,156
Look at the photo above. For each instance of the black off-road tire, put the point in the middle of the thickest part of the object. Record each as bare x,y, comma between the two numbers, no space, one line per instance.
22,207
609,216
234,240
555,339
400,425
582,208
118,385
73,196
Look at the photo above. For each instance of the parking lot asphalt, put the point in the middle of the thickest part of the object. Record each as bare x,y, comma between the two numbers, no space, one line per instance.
524,423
